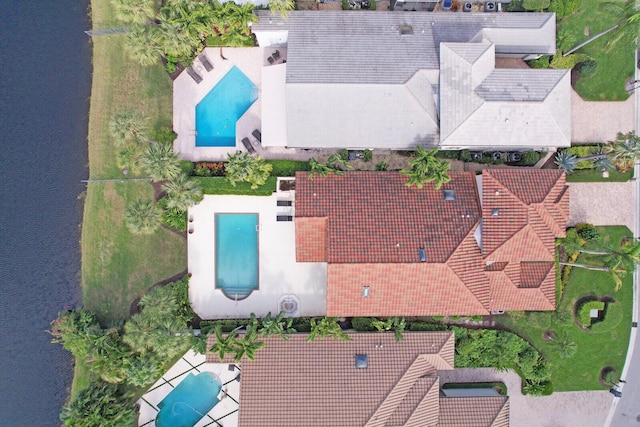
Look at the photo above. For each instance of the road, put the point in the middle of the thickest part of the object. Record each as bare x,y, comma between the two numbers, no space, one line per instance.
625,411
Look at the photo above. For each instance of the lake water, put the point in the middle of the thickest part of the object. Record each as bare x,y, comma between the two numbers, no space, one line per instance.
45,76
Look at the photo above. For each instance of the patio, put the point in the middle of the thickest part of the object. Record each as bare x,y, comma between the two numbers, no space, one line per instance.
284,284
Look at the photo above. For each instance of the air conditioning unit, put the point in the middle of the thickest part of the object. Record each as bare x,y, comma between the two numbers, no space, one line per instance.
490,6
467,6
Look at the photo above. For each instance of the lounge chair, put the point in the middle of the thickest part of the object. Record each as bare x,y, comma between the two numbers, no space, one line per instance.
284,203
248,146
257,135
194,75
276,55
205,61
271,60
284,218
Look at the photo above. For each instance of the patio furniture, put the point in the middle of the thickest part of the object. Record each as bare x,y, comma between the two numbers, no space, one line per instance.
257,135
248,146
284,218
271,60
205,61
284,203
276,55
194,75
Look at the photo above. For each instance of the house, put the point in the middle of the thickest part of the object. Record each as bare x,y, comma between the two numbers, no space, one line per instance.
372,380
401,80
479,244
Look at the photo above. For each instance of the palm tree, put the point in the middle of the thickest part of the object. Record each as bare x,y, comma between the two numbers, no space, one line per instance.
139,12
239,16
160,162
174,40
247,346
142,217
223,344
128,125
425,167
142,45
128,158
199,343
338,164
625,150
326,327
281,6
182,193
272,326
194,17
241,167
317,168
99,404
568,162
395,324
563,346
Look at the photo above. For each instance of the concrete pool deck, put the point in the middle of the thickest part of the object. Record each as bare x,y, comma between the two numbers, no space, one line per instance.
187,94
280,276
225,411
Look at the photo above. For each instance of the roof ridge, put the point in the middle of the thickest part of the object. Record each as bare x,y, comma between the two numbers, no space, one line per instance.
427,411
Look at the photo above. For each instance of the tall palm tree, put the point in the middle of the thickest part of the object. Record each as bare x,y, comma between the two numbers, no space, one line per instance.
247,345
283,7
174,40
272,326
239,16
128,125
138,12
182,193
326,327
625,150
563,346
194,17
160,162
425,167
142,45
142,217
223,344
128,158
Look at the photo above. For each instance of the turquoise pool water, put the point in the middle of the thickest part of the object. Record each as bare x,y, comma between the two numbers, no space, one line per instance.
189,401
236,237
220,109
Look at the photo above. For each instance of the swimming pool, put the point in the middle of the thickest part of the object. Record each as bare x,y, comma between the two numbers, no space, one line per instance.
189,401
220,109
236,237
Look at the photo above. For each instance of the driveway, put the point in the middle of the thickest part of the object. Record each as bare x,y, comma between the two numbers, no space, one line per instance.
568,409
599,121
601,203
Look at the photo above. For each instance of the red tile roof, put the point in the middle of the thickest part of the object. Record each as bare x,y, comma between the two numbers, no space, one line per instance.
374,226
297,383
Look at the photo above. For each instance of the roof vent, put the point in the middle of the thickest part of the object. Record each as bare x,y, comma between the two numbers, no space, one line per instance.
449,195
495,212
406,30
423,254
365,292
362,361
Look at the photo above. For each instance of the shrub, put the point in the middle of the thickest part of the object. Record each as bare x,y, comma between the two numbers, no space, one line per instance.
344,154
529,158
584,312
363,324
588,231
226,325
426,326
567,62
465,156
180,290
209,169
564,8
448,154
542,62
186,167
372,5
535,5
163,134
382,166
588,68
345,5
287,167
368,155
174,220
302,324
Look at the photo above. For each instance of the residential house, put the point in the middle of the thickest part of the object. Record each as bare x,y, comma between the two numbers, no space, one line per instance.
400,80
372,380
479,244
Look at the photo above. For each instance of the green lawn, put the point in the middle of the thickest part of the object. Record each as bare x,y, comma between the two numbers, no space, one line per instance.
220,185
604,345
614,66
592,175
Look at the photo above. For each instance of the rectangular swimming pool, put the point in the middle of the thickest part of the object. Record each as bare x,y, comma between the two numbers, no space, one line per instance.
236,253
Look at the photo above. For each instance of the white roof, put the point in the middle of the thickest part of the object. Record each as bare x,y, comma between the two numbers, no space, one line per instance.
274,106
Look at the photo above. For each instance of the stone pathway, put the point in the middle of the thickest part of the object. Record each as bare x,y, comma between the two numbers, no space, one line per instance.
568,409
599,121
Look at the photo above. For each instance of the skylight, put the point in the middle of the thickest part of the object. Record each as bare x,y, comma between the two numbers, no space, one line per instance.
450,195
406,30
495,212
362,361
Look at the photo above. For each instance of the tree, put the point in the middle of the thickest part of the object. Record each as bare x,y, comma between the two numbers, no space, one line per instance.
563,346
142,45
160,162
244,168
223,344
568,162
142,217
338,163
182,193
317,168
139,12
395,324
128,125
77,331
99,404
281,6
625,150
425,167
272,326
174,40
128,158
247,345
536,5
326,327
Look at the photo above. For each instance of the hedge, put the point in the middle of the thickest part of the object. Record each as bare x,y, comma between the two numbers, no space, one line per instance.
287,167
584,312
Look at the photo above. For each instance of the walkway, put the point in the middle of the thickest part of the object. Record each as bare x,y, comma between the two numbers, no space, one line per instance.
599,121
602,203
568,409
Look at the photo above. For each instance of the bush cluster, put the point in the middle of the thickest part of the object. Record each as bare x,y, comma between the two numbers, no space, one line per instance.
588,231
209,169
287,167
564,8
584,312
542,62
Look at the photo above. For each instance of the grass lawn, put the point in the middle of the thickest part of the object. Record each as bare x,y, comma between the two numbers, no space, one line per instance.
614,66
604,345
220,185
592,175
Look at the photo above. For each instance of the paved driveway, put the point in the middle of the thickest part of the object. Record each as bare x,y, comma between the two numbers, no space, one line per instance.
568,409
599,121
601,203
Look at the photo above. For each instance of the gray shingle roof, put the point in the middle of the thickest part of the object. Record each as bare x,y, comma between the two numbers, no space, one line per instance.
519,85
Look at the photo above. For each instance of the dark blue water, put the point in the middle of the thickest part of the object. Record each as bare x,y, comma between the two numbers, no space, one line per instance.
44,92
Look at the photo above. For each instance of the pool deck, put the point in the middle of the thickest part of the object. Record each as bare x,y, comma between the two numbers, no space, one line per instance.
226,410
281,277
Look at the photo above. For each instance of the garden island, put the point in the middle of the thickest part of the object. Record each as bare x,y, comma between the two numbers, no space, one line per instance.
293,197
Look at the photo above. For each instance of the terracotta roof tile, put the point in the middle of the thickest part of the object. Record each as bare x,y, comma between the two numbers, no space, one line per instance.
427,413
375,217
474,411
311,239
523,286
422,390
